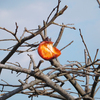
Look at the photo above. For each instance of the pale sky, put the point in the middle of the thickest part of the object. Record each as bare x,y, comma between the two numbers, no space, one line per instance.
84,14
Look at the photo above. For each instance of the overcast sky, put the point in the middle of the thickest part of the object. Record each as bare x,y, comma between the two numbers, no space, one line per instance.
84,14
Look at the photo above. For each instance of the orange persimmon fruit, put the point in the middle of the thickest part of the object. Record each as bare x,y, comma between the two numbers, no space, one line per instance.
47,51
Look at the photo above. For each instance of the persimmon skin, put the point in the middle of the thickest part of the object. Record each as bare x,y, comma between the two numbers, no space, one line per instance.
47,51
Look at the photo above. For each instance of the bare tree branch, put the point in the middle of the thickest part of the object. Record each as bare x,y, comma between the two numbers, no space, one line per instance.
31,36
67,45
85,46
73,82
49,80
39,75
95,84
59,37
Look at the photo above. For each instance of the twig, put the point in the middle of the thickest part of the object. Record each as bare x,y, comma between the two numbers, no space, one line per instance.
62,11
43,38
85,47
76,63
83,97
15,64
16,28
56,96
91,64
27,76
2,88
49,73
41,61
34,65
53,11
64,26
14,34
97,90
58,6
22,83
10,85
29,45
7,30
8,40
67,45
22,35
94,85
85,54
59,37
4,81
96,54
50,14
73,64
59,80
10,47
45,30
87,78
29,31
20,51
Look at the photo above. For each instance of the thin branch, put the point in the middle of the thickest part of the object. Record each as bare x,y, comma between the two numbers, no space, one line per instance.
59,37
22,35
41,61
53,11
66,26
94,85
58,6
29,31
18,65
7,30
19,51
96,54
85,54
27,76
85,46
45,30
14,34
78,64
97,89
67,45
42,36
87,90
8,40
10,85
34,65
91,64
4,81
56,96
16,28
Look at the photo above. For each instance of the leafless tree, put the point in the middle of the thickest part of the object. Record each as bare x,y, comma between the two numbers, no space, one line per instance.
50,84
